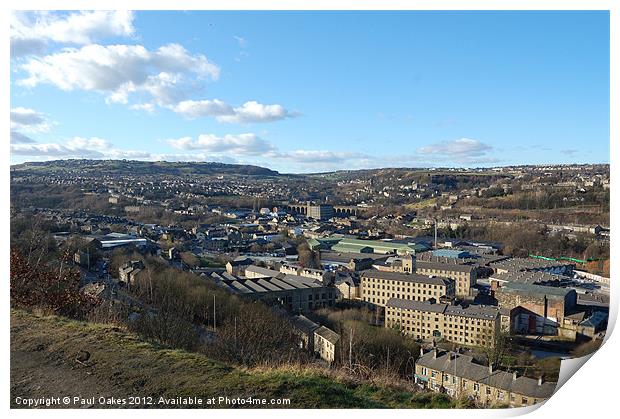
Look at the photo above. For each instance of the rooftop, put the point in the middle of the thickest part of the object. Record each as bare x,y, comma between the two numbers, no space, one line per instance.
534,290
395,276
464,367
328,334
472,311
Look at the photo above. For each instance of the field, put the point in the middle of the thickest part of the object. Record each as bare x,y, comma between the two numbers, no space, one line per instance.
44,364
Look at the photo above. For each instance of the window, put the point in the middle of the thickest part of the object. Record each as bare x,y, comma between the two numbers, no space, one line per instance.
476,386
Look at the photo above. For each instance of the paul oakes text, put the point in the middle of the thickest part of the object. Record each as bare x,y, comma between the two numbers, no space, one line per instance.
148,401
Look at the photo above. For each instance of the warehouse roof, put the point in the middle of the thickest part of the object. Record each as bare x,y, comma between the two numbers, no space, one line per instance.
524,264
529,277
239,285
534,290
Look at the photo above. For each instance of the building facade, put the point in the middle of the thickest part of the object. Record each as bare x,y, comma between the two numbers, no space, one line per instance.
459,376
377,287
426,320
464,275
296,294
320,212
326,343
535,309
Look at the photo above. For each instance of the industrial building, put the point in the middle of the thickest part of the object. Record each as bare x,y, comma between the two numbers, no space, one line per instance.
531,264
535,309
378,287
473,325
295,293
320,212
464,275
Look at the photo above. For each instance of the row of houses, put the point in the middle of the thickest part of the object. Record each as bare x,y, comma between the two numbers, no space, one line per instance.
458,375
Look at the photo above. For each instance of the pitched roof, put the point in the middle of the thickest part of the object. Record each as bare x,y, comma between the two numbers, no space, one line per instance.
464,367
445,266
473,311
304,324
327,334
396,276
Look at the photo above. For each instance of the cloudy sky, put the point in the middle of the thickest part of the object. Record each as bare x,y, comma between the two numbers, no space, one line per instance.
312,91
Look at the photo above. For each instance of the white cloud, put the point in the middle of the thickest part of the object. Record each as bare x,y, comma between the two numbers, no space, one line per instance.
147,107
249,112
243,144
198,108
120,71
77,147
463,150
53,150
462,146
92,143
32,31
250,145
321,156
19,138
29,120
253,111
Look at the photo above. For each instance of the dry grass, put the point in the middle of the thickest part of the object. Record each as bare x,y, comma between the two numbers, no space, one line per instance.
44,347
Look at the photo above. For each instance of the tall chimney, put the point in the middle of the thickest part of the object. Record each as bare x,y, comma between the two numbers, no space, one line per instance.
490,368
514,375
421,351
540,380
434,353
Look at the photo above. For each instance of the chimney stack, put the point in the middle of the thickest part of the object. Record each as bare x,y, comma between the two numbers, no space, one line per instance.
421,351
490,368
514,375
540,380
434,353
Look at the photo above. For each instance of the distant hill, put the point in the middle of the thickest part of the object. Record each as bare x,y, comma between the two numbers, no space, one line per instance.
128,167
44,363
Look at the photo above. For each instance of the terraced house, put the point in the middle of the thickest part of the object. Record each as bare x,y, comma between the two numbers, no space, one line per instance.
474,325
458,376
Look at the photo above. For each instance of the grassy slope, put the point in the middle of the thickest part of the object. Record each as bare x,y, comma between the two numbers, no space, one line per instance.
43,350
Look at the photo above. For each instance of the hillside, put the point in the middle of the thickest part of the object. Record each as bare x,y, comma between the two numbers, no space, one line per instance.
135,167
43,364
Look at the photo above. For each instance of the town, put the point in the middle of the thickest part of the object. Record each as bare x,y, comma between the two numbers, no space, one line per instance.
486,277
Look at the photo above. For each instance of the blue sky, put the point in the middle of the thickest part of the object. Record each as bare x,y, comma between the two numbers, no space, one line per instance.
312,91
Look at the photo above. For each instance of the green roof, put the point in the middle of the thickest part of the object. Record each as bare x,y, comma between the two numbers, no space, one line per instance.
378,246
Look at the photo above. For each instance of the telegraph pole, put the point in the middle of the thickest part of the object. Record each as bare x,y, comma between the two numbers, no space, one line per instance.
350,348
214,325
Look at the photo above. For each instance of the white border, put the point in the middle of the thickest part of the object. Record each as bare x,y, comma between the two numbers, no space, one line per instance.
590,393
